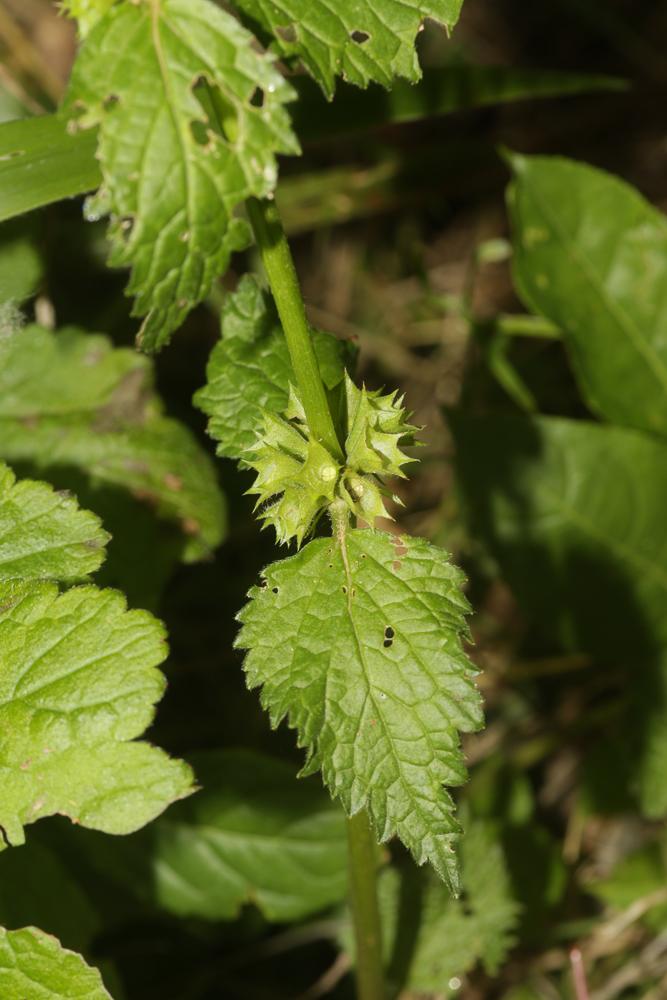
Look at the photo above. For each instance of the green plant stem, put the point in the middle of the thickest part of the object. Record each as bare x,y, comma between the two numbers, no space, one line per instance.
365,911
280,270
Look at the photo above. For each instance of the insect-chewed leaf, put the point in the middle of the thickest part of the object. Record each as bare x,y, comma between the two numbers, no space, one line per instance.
78,681
34,966
45,534
360,40
249,370
357,642
191,118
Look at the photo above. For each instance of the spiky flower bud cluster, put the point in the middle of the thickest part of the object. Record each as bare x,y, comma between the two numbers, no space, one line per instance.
297,478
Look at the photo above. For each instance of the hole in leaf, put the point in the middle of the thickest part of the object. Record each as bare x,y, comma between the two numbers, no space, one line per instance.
263,584
287,33
388,637
344,588
359,37
221,115
274,590
387,643
257,98
199,133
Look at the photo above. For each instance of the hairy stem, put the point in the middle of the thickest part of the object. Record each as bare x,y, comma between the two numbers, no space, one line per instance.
365,912
280,270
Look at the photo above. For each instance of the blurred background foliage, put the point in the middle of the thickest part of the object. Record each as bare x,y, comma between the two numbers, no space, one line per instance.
400,231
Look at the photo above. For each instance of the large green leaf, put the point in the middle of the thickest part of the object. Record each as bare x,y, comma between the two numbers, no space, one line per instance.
579,507
253,834
33,966
44,534
78,683
249,370
357,643
191,118
69,401
360,40
591,256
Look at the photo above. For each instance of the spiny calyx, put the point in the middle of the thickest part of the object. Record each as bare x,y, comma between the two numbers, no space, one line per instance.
298,479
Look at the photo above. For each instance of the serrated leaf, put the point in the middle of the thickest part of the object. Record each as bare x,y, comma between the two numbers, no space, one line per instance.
191,119
78,682
359,647
590,254
34,966
253,834
249,370
69,401
430,938
45,535
580,507
360,40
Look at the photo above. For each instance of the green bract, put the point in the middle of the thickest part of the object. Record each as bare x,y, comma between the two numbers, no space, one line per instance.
191,118
356,641
304,477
